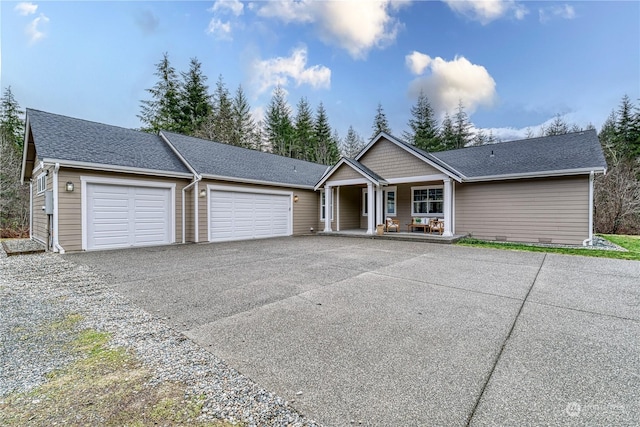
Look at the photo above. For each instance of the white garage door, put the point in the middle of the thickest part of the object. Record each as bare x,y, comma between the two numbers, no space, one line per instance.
237,215
121,216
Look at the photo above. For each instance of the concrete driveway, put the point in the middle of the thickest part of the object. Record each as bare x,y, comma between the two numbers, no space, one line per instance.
404,333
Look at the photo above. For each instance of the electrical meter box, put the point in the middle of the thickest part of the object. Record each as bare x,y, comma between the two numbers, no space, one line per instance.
48,202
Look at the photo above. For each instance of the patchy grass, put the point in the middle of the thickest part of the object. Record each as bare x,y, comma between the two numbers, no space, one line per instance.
104,386
631,243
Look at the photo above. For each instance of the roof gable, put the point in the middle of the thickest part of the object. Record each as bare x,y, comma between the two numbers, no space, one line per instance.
61,138
217,160
398,164
361,172
578,152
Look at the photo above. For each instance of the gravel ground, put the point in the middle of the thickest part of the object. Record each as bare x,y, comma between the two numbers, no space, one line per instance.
41,289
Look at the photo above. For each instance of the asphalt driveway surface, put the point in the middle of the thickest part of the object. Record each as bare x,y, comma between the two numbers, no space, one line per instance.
387,333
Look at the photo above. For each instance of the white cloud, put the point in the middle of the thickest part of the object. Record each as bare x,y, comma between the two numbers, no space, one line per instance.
280,71
34,31
449,82
485,11
233,6
356,26
26,8
561,12
220,30
417,62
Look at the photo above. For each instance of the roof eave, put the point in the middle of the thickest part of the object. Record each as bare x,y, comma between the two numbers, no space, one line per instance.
256,181
116,168
540,174
344,161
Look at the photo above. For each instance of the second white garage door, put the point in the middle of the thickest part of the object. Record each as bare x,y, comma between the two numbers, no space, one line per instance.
235,215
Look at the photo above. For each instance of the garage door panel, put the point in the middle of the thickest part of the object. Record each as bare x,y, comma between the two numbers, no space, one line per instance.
122,216
237,215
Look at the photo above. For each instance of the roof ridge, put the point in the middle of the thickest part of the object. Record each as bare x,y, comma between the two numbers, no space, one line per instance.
241,148
89,121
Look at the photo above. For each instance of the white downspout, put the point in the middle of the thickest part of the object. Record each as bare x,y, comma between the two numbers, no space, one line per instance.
197,179
56,242
196,208
31,208
589,241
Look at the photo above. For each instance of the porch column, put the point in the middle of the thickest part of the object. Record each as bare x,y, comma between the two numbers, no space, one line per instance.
371,215
448,204
327,208
379,211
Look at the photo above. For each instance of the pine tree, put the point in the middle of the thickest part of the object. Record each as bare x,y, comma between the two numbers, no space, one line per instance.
627,130
557,127
163,110
380,123
352,144
277,125
196,102
326,147
423,125
480,138
11,123
244,127
608,138
447,133
304,139
223,119
461,128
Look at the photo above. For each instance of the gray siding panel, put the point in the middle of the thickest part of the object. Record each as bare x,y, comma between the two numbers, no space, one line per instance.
552,209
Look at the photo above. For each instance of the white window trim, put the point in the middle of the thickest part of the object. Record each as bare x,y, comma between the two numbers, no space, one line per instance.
426,187
364,202
393,190
333,194
41,183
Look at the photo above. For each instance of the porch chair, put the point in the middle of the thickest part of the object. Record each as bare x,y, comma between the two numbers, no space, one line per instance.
436,225
392,224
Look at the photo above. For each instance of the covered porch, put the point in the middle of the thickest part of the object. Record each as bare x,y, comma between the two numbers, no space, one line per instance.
358,202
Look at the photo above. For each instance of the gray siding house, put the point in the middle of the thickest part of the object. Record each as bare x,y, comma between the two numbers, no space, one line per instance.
96,186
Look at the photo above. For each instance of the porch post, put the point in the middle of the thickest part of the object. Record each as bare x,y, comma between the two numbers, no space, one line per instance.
448,203
327,208
370,213
379,211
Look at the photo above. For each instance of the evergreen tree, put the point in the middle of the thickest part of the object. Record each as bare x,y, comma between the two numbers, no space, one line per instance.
447,133
380,123
423,125
352,144
607,136
222,114
244,132
163,110
196,102
557,127
304,139
277,126
11,123
326,146
627,136
480,138
461,128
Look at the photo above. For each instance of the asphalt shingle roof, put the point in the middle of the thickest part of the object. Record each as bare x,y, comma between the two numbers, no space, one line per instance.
578,150
214,158
66,138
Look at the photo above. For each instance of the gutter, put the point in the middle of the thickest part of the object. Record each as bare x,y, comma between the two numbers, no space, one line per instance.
56,242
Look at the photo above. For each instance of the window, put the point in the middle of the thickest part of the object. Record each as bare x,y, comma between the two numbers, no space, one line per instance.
323,202
427,200
41,182
390,201
365,202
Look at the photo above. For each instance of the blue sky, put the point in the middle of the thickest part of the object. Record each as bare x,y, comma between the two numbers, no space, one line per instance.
514,64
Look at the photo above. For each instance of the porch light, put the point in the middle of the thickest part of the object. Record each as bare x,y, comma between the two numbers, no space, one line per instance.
69,186
203,193
295,198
